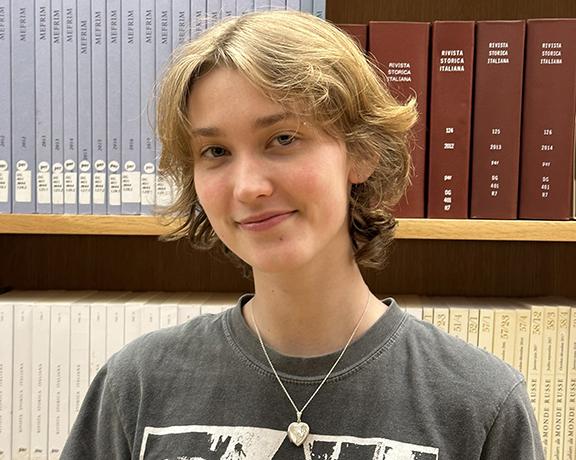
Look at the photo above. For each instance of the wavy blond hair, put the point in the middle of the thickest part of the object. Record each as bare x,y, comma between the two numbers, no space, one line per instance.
305,64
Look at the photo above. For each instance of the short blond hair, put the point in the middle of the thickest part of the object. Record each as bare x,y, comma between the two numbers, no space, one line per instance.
305,64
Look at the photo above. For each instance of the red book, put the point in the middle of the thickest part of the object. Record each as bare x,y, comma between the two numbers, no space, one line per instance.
497,109
401,51
359,32
450,118
547,157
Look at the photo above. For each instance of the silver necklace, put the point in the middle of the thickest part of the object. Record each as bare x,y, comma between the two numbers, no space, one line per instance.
298,431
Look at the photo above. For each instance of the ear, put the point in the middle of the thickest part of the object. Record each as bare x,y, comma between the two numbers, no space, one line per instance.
360,169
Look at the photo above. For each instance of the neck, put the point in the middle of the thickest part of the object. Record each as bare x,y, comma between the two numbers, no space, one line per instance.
310,315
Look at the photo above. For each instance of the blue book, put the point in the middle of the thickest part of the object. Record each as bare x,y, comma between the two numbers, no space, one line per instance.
57,83
5,115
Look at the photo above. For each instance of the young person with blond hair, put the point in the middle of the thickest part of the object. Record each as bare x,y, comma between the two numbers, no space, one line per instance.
289,154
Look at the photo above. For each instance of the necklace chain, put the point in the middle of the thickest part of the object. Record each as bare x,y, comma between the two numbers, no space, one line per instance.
300,411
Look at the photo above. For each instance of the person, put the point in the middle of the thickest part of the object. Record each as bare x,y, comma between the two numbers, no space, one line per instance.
289,154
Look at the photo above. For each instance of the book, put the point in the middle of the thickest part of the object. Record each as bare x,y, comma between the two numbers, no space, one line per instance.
504,343
293,5
23,108
113,107
522,347
181,21
549,343
214,12
497,119
99,84
84,53
70,99
5,115
406,71
148,104
115,318
244,7
228,8
6,361
451,78
319,8
533,378
189,305
130,152
486,330
473,321
547,156
306,6
57,119
569,445
43,72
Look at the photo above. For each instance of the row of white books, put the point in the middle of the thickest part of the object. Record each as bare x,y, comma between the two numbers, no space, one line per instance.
52,344
77,130
537,336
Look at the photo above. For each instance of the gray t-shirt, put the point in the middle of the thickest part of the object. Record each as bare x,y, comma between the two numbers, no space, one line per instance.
404,390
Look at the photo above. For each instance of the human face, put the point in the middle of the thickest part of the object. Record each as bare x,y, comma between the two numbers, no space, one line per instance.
275,189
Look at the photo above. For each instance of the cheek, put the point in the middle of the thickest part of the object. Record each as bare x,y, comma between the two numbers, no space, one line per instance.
208,189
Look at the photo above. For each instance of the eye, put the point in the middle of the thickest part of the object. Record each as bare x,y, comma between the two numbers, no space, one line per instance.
214,152
285,139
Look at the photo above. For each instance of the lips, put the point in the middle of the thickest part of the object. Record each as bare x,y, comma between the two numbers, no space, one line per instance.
265,221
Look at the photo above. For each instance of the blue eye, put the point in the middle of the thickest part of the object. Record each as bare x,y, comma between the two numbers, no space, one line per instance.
214,152
285,139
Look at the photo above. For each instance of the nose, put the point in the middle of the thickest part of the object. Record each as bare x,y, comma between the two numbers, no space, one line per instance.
251,178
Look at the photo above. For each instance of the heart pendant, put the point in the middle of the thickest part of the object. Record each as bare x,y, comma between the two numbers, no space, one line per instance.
297,432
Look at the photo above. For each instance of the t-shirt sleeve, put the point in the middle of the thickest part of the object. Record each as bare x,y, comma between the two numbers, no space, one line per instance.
514,433
98,432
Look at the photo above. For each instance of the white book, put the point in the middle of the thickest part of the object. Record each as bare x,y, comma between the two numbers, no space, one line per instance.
189,305
98,321
79,354
148,104
70,95
84,59
6,358
214,11
99,147
113,106
22,378
218,302
473,319
180,22
319,7
163,50
43,108
57,119
41,378
133,319
228,8
169,310
130,95
261,5
306,6
139,319
115,318
5,115
151,314
23,108
58,409
569,446
244,7
293,5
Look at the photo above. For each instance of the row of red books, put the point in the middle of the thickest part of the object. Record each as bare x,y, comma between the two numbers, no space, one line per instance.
495,138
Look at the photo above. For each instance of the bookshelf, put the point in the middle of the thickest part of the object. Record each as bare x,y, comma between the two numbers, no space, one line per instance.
432,257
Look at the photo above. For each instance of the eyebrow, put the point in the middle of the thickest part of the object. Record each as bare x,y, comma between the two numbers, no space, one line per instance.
259,123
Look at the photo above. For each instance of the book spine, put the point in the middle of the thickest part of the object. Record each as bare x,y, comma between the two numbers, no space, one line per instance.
535,363
114,328
5,115
43,108
132,322
486,331
521,355
428,314
70,95
458,325
214,11
450,118
244,6
293,5
40,381
319,8
406,69
99,179
441,318
6,374
23,108
359,32
79,356
22,381
168,315
150,318
549,342
560,381
497,116
548,120
228,8
276,4
504,334
570,417
473,326
98,322
84,53
163,50
261,5
131,162
186,312
58,409
306,6
114,105
180,22
147,101
57,83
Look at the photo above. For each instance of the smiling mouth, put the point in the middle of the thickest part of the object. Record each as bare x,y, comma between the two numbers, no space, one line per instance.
265,222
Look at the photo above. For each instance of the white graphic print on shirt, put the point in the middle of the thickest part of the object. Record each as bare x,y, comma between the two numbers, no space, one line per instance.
240,443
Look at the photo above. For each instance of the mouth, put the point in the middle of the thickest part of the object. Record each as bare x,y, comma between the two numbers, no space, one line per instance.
265,221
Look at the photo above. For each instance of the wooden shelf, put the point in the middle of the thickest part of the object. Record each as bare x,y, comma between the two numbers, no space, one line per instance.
408,229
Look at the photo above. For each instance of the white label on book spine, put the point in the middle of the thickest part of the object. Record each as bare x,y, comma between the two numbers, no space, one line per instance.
43,183
4,181
70,187
115,189
23,183
57,183
130,186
